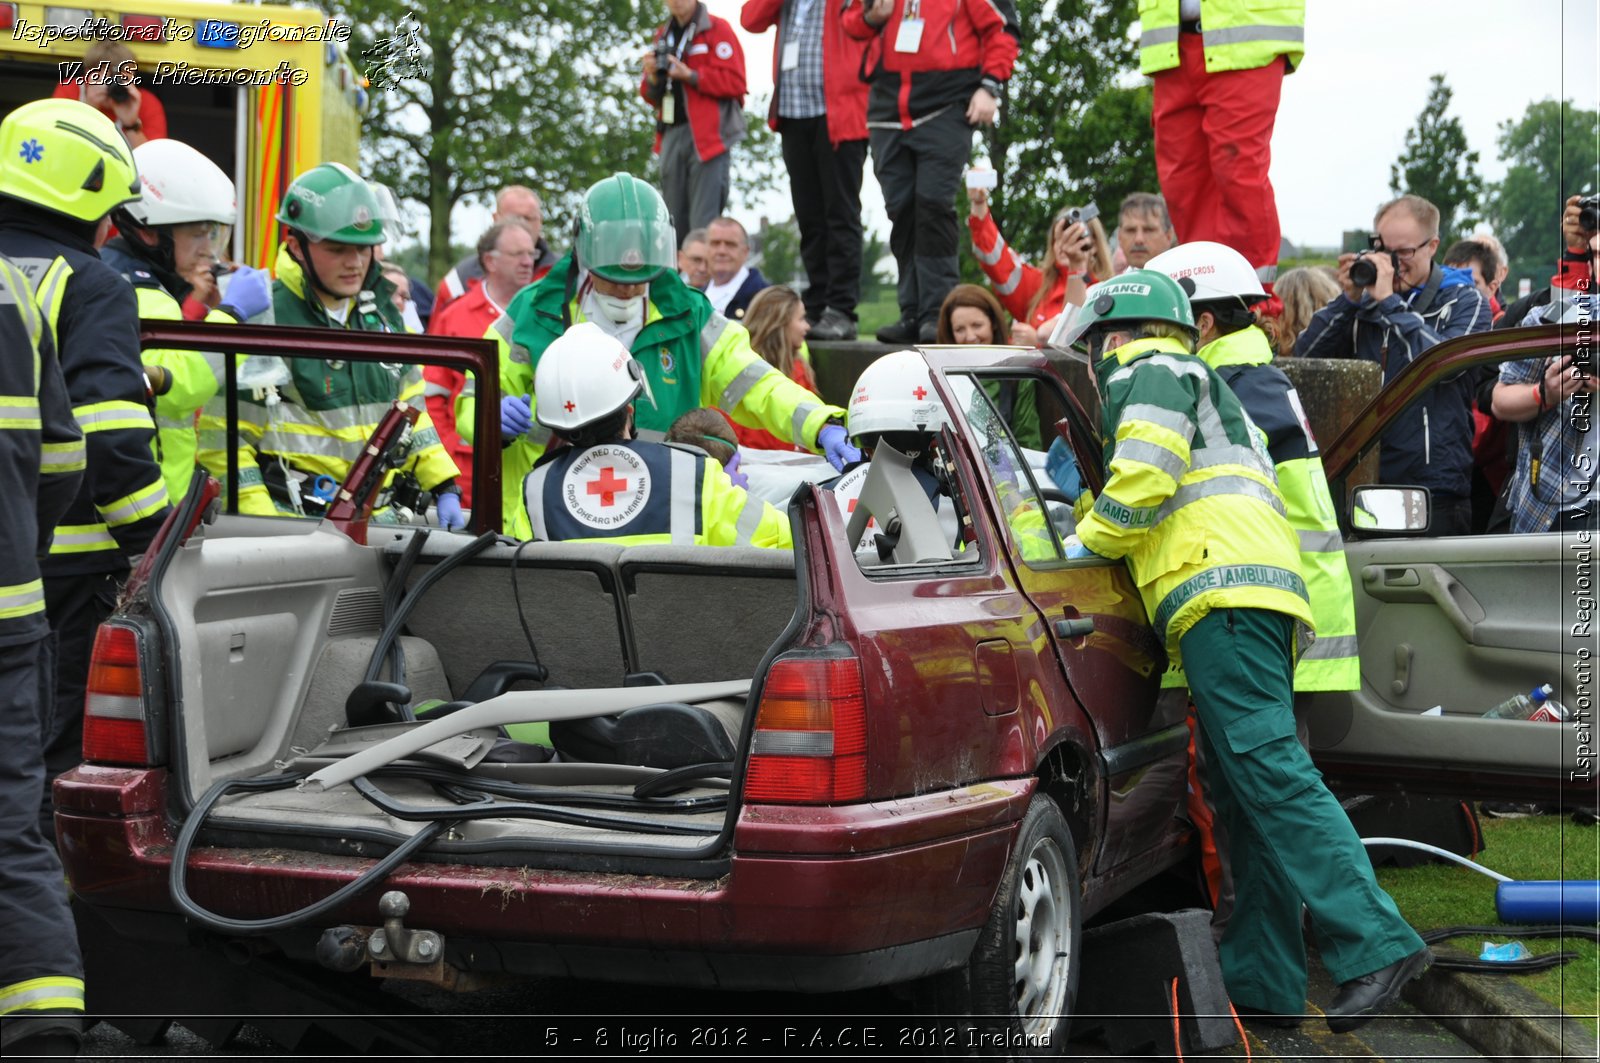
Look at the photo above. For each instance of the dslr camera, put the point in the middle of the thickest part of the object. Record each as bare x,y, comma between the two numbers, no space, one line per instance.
1589,213
663,55
1363,274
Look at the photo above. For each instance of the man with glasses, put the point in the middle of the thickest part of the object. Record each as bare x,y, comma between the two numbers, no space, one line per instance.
1407,306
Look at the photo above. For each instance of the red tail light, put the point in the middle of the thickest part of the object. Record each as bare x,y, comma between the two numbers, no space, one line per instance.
810,742
114,706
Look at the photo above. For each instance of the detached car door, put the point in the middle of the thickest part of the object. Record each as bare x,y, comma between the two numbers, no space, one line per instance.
1449,627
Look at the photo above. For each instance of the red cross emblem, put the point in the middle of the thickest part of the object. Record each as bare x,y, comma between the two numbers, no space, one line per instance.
607,486
570,407
919,393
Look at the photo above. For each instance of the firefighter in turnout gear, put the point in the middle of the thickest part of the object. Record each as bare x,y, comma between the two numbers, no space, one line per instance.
301,429
621,275
41,465
1191,504
607,484
63,169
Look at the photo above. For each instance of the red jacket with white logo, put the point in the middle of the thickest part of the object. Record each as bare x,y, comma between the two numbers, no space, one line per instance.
842,88
964,44
715,99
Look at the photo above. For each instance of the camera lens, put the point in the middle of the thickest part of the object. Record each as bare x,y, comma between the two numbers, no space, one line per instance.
1363,274
1589,213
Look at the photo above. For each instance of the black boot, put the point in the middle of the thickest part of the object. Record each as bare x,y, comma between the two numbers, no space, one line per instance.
902,331
1363,999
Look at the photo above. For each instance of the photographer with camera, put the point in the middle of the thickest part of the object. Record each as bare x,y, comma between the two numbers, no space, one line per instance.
1550,400
1077,255
1396,303
108,86
694,78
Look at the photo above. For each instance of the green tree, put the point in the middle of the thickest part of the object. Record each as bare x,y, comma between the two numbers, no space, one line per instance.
535,92
1068,133
1550,153
780,252
1437,166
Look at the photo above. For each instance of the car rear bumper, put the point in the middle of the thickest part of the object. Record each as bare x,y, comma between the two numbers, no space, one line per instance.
815,897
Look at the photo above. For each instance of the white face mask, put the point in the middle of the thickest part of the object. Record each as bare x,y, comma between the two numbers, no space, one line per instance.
620,311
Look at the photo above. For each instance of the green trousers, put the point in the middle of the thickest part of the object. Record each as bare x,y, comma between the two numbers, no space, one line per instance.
1291,843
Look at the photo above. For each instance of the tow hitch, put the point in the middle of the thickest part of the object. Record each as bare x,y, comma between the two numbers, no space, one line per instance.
394,950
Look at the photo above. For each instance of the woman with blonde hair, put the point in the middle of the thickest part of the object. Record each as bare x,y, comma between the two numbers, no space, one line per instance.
1303,291
776,321
1077,255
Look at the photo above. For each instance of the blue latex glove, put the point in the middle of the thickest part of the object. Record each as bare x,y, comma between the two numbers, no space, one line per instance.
1077,550
732,469
836,446
249,292
448,509
516,416
1062,465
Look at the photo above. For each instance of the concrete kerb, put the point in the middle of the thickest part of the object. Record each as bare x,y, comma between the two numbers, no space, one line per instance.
1499,1018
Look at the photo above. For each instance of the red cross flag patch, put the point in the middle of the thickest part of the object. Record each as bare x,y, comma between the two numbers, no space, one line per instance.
607,487
847,493
724,50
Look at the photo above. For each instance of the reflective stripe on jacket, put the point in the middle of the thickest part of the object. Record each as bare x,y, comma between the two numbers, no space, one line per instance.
1190,500
640,492
1237,34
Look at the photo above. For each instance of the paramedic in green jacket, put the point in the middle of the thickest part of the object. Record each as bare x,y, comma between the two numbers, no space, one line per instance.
1191,504
622,275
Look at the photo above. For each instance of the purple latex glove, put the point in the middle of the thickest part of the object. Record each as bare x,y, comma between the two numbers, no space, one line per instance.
249,292
835,446
447,508
732,469
516,416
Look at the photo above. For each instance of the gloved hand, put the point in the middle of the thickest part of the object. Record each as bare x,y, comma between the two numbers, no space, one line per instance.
835,446
732,469
1076,550
448,509
249,292
1062,465
516,416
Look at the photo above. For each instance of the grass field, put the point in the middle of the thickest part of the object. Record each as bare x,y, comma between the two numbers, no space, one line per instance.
1537,848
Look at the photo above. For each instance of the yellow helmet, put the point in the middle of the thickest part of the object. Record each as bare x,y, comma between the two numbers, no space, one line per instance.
66,157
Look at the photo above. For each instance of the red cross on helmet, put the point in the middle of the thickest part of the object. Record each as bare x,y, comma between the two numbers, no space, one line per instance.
584,377
895,394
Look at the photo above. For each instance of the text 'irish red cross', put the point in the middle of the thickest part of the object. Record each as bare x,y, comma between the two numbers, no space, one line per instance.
607,486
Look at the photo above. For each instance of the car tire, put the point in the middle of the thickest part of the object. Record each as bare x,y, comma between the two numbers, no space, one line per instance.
1014,995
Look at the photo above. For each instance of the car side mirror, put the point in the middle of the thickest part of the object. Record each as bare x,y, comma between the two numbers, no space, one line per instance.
1379,511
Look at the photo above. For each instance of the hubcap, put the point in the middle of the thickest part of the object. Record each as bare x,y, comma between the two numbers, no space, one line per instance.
1043,940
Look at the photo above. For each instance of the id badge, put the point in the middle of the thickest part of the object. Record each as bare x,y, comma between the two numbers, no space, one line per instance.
909,37
791,56
669,113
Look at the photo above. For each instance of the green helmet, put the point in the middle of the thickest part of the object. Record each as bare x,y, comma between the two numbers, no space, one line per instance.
1138,295
332,202
66,157
625,233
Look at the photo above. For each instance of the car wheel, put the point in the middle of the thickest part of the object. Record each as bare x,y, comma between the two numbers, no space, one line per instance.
1017,989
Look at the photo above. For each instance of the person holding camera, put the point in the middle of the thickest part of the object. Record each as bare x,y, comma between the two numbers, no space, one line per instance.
935,73
1077,255
1550,400
1395,303
107,85
694,78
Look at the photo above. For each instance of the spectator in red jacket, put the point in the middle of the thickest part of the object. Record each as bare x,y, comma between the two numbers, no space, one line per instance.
512,201
936,72
1077,256
506,255
819,108
106,84
694,77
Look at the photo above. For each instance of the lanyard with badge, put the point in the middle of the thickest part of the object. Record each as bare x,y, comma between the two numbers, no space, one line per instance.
791,49
669,109
909,37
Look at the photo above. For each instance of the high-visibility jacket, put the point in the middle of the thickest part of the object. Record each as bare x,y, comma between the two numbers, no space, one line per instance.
1190,501
93,315
41,456
1243,360
193,381
692,357
326,412
1237,34
638,492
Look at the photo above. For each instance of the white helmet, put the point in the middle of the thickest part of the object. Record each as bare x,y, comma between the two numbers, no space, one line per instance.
895,394
181,185
584,377
1217,271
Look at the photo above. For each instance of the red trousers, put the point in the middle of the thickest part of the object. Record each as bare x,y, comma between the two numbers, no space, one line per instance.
1213,151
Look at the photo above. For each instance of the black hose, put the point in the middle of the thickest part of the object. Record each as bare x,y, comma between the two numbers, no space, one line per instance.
516,596
488,808
1524,966
393,593
644,798
363,882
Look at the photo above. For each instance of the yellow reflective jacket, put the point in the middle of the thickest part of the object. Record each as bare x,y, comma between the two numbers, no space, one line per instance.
1190,501
194,384
1237,34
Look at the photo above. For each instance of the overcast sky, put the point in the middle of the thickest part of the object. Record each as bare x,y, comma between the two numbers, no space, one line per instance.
1345,112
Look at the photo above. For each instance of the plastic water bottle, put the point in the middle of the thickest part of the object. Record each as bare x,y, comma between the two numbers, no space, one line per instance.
1522,706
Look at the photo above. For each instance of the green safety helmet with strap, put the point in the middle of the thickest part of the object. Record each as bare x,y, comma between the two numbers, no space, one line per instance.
625,232
66,157
1135,296
333,202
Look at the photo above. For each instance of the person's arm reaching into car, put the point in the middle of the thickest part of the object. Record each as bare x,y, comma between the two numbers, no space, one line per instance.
1150,458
